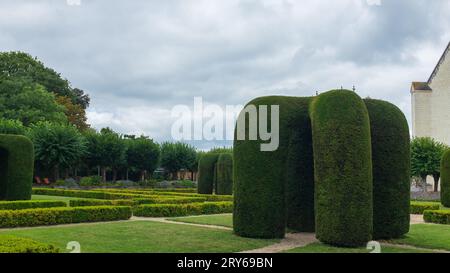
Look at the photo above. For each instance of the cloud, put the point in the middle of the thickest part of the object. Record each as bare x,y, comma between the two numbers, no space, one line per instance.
138,59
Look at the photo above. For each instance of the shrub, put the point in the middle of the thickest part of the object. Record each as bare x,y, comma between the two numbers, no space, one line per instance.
343,168
420,207
12,127
56,216
12,244
16,205
224,174
445,179
16,167
170,200
180,190
206,169
91,181
391,163
175,210
94,202
97,194
437,216
268,191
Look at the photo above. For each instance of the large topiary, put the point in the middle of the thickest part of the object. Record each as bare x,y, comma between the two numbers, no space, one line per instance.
445,179
16,167
206,169
343,168
267,193
224,174
391,169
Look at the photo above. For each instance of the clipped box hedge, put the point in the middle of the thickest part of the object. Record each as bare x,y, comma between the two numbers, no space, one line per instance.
174,210
437,216
12,244
16,205
56,216
99,202
147,193
96,194
417,207
170,200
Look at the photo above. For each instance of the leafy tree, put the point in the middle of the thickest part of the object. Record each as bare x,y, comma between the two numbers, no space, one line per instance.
57,146
111,150
143,155
177,156
12,127
92,157
426,154
28,102
76,115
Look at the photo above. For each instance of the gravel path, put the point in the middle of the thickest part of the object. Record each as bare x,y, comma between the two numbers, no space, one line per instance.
416,219
292,240
164,220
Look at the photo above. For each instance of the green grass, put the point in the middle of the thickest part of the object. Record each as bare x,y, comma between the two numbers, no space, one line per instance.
142,237
50,197
322,248
427,236
225,220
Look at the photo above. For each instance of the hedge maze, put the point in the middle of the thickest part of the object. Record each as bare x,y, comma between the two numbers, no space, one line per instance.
215,174
341,170
16,167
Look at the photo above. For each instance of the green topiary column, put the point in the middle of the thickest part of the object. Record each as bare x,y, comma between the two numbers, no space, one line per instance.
224,174
262,207
206,175
16,167
391,169
445,179
343,168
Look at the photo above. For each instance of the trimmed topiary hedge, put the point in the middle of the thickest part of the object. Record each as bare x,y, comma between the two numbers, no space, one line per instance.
261,207
417,207
445,179
99,202
391,163
437,216
206,169
343,168
16,205
175,210
170,200
16,167
224,174
12,244
56,216
89,194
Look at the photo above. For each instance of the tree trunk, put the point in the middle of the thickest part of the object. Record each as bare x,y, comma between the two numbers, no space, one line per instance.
424,183
127,173
436,181
103,174
114,174
56,172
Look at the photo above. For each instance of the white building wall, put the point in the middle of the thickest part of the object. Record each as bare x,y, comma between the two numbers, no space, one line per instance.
421,111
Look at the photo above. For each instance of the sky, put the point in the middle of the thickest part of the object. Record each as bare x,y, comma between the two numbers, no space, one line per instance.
138,59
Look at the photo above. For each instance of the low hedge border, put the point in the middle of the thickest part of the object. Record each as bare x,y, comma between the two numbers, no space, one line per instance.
33,204
175,210
437,216
87,194
417,207
13,244
174,200
209,197
100,202
56,216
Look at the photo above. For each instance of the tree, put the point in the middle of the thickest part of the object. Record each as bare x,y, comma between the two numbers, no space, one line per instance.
177,156
12,127
20,65
57,146
76,115
143,155
426,154
111,151
28,102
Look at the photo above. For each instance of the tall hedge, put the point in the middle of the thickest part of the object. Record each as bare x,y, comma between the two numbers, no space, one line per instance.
16,167
261,206
343,168
391,160
206,167
445,179
224,174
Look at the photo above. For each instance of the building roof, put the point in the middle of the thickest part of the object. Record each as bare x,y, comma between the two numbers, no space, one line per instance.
421,86
441,60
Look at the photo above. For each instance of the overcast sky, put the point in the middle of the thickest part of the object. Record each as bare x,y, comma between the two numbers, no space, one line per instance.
139,58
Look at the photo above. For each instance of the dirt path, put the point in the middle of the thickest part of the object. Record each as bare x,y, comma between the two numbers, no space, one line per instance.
416,219
164,220
292,240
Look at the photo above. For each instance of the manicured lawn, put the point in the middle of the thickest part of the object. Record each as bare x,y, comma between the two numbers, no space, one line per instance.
225,220
142,237
427,236
322,248
49,197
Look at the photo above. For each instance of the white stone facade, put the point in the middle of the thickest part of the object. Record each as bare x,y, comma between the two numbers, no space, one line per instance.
431,103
